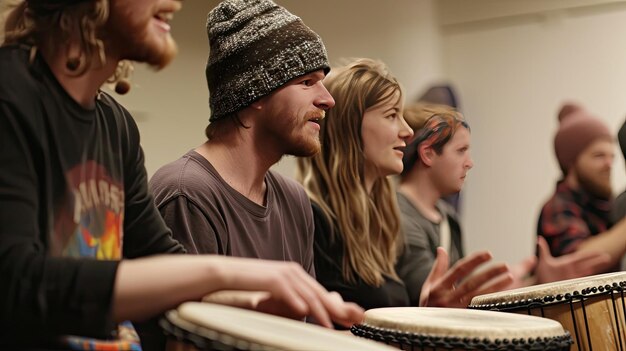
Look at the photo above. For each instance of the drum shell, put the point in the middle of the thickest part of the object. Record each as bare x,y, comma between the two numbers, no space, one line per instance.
594,322
591,308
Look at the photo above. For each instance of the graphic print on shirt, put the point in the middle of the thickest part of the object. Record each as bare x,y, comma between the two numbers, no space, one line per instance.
89,218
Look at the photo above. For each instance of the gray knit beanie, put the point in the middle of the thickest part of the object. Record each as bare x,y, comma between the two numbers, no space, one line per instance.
256,46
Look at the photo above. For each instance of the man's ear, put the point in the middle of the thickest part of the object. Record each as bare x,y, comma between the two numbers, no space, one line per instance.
426,154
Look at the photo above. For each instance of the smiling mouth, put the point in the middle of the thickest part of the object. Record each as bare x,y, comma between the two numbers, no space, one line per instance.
318,118
165,17
315,120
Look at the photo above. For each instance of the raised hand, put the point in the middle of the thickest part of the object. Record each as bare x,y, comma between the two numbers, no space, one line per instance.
573,265
456,286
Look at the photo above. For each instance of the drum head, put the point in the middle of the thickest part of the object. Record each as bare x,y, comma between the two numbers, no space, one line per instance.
240,329
555,292
469,329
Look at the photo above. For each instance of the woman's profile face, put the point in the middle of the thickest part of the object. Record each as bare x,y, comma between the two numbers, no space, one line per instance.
384,133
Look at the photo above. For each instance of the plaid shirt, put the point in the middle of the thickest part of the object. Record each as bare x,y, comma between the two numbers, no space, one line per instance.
571,216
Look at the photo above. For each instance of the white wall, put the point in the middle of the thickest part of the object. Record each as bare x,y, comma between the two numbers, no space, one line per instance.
512,73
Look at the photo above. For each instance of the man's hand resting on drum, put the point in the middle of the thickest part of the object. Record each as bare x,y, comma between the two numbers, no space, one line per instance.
288,291
286,288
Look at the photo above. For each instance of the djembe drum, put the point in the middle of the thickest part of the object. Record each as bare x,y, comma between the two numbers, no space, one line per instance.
425,328
592,309
197,326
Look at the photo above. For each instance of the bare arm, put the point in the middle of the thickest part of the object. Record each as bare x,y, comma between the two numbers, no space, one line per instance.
579,263
146,287
612,242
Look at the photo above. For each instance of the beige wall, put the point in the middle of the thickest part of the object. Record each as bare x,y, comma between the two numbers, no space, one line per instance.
512,73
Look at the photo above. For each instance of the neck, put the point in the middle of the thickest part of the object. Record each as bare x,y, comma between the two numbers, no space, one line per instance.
572,180
84,88
423,194
241,163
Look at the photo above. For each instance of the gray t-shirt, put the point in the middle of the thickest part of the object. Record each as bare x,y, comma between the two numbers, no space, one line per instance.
422,236
208,216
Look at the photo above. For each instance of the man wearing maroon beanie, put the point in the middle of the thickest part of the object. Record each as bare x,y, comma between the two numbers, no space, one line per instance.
576,217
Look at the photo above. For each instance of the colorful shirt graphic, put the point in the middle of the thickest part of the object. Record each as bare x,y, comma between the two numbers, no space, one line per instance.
90,223
90,219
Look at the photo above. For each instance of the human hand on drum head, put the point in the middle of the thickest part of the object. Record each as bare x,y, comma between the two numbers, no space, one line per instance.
573,265
290,292
455,287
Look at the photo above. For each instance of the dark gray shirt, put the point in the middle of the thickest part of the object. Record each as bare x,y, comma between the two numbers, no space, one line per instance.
208,216
422,237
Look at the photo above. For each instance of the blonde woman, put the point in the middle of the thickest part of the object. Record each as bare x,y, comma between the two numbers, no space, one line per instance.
359,249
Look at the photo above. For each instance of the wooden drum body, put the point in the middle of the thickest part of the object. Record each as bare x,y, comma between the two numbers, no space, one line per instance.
435,329
592,309
197,326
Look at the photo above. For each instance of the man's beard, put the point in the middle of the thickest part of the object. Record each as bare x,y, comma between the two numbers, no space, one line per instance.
595,187
299,145
158,58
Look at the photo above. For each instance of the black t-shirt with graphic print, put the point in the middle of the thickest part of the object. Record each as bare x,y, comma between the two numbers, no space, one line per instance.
73,202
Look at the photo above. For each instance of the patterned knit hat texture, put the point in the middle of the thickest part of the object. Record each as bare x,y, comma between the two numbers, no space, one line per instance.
577,130
256,46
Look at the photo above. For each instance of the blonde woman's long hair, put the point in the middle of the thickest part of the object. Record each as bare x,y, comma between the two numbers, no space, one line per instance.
43,23
369,224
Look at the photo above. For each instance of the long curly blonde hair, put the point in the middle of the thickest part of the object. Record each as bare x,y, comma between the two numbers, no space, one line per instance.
369,224
48,23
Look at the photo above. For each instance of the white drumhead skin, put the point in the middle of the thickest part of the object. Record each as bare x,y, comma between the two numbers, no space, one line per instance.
271,331
555,288
456,322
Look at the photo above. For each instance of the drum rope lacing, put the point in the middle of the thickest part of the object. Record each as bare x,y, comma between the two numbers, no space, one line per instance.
571,299
422,342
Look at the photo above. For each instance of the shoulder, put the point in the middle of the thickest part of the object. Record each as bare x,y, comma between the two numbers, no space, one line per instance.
185,176
560,203
288,187
17,71
405,205
410,215
21,81
447,210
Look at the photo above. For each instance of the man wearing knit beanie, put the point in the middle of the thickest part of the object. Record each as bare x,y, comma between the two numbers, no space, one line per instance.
576,217
264,72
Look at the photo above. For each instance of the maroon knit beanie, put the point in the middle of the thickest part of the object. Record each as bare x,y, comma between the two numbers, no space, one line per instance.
577,130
